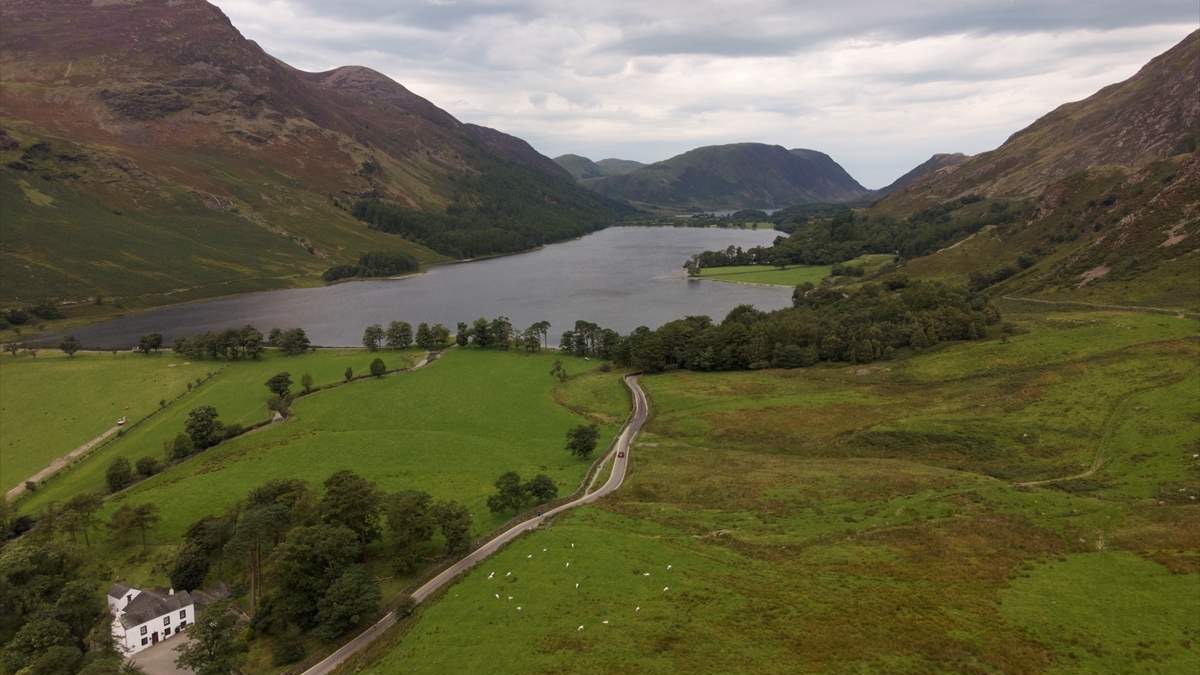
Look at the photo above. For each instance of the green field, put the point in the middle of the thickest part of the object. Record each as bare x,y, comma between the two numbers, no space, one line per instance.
237,391
869,519
51,404
792,275
449,429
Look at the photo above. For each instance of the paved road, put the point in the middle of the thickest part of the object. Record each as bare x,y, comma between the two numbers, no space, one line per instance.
57,465
624,443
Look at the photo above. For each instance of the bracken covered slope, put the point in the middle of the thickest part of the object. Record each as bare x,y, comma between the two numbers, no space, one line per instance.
149,149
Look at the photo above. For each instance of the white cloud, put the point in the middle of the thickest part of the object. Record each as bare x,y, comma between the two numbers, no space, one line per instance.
878,85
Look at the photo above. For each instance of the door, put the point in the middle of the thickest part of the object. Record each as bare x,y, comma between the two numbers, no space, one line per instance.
154,638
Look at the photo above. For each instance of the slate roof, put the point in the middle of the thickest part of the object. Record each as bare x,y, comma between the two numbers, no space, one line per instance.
118,590
150,605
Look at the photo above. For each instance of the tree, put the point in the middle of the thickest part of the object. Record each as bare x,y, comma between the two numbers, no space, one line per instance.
463,336
558,372
373,337
352,502
581,440
79,606
280,384
70,345
481,333
349,374
293,342
148,466
306,381
510,493
399,335
349,600
542,488
305,564
129,520
212,648
424,337
542,330
439,335
378,368
203,427
150,343
179,447
410,521
119,474
260,526
251,342
455,522
34,638
78,515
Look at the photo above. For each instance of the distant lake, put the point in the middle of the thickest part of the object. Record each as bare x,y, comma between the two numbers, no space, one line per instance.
620,278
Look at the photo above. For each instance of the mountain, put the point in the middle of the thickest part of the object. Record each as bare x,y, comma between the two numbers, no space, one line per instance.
618,167
937,162
581,168
149,151
1110,191
1150,116
741,175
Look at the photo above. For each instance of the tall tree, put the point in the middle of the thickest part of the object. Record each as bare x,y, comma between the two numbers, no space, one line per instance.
304,565
348,601
399,335
424,336
128,521
373,337
203,427
510,493
212,647
352,502
455,522
119,474
78,515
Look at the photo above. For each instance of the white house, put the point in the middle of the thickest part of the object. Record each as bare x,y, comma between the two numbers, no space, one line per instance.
143,618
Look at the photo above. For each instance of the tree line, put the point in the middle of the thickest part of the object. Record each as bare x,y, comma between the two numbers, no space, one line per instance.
374,264
399,335
823,324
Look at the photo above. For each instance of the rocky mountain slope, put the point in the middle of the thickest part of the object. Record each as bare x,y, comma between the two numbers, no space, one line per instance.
1111,186
148,148
741,175
938,162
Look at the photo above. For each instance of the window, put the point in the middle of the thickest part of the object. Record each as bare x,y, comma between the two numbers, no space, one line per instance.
143,630
166,632
167,620
144,641
183,614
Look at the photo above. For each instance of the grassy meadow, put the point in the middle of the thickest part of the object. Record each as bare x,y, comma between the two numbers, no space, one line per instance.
51,404
791,275
872,519
237,390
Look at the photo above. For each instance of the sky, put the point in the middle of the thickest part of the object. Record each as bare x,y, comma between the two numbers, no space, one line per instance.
880,85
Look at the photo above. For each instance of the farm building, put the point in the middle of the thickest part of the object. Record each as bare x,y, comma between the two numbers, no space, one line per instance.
142,618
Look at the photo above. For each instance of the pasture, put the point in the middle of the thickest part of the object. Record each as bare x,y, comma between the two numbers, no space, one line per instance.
790,275
848,519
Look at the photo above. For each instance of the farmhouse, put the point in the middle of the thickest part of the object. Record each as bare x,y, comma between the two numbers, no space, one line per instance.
143,618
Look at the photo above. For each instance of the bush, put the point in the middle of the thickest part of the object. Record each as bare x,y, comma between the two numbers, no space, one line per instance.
378,369
148,466
119,475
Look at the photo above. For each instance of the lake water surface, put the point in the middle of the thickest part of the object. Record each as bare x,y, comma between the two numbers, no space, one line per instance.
620,278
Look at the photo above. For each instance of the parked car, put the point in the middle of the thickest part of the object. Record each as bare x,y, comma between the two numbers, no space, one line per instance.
121,422
621,453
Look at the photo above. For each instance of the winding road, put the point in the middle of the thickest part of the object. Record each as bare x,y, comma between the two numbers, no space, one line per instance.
623,445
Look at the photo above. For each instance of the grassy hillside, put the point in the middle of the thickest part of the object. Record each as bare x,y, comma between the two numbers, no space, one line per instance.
51,404
872,520
149,151
237,390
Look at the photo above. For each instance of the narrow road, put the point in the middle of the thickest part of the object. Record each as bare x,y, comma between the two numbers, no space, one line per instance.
57,465
641,409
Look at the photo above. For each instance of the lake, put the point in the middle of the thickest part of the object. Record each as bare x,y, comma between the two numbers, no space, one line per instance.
620,278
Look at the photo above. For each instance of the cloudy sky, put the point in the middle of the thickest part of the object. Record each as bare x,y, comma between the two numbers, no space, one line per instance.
878,84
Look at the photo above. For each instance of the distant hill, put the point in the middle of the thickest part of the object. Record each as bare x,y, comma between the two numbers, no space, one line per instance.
741,175
1112,188
149,150
581,168
937,162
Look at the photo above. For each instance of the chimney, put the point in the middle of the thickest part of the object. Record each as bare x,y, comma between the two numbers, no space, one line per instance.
171,592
